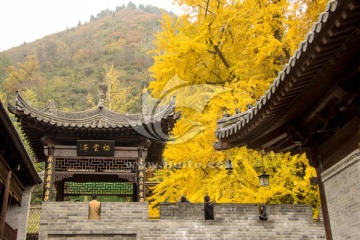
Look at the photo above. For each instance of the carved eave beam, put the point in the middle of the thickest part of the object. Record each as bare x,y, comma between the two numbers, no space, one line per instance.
344,141
143,142
59,176
49,141
325,110
332,114
223,145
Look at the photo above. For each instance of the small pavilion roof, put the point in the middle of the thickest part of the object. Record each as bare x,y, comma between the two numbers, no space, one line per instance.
316,93
94,118
100,122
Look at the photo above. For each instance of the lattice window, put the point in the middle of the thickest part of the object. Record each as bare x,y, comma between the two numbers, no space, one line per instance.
100,198
100,188
109,165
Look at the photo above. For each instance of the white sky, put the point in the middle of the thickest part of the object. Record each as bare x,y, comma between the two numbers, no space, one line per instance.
27,20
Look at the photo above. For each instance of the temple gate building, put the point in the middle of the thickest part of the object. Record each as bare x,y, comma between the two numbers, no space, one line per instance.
67,142
95,151
313,107
17,178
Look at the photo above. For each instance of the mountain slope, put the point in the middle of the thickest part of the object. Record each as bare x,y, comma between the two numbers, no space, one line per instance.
68,66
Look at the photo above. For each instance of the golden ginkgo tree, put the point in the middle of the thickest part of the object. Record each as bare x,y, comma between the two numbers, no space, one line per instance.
220,57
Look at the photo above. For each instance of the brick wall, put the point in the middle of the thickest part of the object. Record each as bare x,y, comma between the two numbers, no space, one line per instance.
343,197
125,221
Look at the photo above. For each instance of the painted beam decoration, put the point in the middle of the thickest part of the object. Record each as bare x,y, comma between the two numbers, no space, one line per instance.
95,148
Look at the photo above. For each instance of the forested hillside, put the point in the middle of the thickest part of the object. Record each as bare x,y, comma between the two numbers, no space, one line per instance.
68,66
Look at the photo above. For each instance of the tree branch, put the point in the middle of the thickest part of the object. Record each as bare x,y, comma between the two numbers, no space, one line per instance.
211,71
207,10
218,6
221,56
207,7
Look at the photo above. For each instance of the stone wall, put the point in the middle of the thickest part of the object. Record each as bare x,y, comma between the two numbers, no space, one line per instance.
125,221
343,197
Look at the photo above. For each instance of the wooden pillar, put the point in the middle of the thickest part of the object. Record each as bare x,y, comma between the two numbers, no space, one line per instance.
141,175
49,175
5,202
324,208
316,162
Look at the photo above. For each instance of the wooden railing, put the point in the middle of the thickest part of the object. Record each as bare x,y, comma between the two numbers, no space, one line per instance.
16,188
9,232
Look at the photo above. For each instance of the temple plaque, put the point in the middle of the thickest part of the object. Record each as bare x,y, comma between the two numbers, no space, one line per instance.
95,148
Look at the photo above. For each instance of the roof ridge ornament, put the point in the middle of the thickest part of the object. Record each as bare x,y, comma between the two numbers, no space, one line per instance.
52,107
102,94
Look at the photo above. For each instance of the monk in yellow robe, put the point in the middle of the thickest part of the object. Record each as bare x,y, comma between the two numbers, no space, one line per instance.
94,208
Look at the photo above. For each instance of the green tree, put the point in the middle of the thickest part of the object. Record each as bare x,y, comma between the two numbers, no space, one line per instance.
5,62
142,7
131,5
24,76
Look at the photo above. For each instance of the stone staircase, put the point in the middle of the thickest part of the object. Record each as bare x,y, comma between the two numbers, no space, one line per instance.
129,221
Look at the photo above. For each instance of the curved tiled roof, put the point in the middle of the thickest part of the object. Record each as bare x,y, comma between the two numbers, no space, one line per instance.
28,174
312,61
94,118
99,123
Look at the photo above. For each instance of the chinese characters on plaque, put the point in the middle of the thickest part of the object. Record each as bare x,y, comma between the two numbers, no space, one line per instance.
141,172
95,148
48,175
